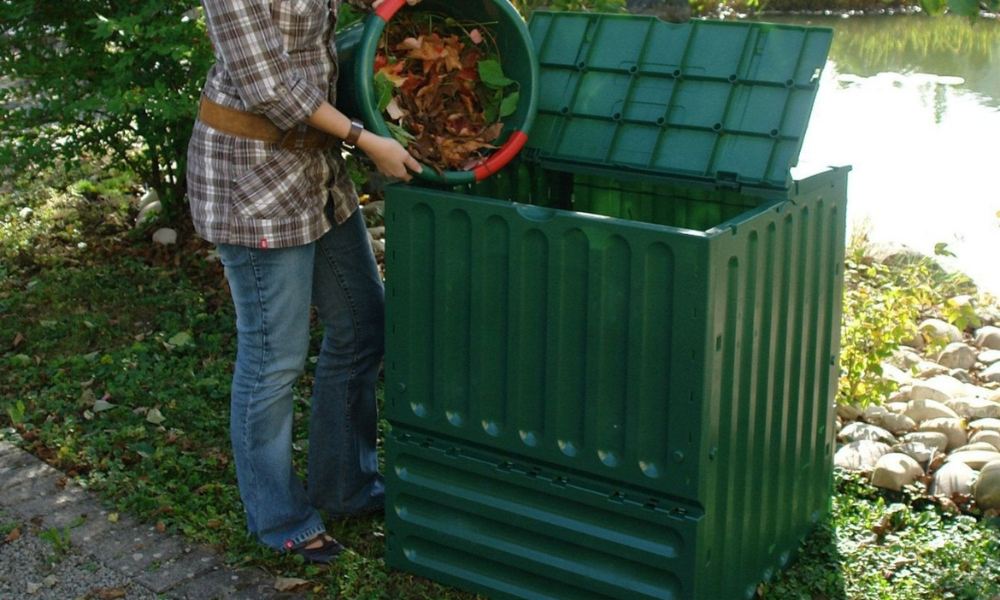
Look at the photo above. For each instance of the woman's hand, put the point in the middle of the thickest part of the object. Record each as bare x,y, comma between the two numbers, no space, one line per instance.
389,156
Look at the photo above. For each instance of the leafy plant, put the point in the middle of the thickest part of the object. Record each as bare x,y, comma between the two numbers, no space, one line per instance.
878,317
15,410
59,538
93,79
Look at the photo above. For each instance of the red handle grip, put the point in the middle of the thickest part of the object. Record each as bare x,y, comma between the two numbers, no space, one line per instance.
501,157
389,8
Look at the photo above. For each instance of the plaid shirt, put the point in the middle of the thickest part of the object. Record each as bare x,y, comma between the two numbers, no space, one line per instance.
277,58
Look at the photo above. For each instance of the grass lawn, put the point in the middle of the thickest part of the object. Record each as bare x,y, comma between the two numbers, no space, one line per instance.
115,361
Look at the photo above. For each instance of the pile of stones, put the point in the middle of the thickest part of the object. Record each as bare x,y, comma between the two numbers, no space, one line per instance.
940,431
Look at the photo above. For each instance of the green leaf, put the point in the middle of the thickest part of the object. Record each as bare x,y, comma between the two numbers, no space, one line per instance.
383,91
181,339
402,136
964,8
155,417
933,7
491,74
509,104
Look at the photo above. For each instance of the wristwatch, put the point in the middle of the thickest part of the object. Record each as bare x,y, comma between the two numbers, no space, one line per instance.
352,136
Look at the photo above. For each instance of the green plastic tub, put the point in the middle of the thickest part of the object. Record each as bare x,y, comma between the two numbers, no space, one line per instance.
356,96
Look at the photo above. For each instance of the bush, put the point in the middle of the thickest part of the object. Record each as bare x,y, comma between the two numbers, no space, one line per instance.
102,79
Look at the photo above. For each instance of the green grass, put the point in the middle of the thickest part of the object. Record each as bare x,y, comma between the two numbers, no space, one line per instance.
102,336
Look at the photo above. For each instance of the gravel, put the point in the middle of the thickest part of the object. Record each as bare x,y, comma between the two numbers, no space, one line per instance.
32,569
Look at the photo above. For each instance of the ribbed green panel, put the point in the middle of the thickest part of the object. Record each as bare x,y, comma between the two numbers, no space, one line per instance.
698,368
776,308
475,520
555,336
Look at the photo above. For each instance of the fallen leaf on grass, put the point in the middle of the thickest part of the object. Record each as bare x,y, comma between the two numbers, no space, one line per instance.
13,536
18,339
289,584
155,417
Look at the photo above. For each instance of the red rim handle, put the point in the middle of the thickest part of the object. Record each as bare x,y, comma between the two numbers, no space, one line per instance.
501,157
389,8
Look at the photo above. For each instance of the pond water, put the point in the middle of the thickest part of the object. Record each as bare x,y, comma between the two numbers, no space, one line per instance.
913,104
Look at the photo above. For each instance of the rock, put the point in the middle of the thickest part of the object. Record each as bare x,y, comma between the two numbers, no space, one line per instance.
939,387
165,236
934,439
147,212
856,431
975,408
962,375
991,373
988,357
900,396
891,372
905,358
148,198
922,410
987,487
974,458
953,428
897,407
922,453
973,446
986,436
952,478
848,412
988,337
873,411
928,368
860,456
940,331
987,423
957,355
894,423
894,471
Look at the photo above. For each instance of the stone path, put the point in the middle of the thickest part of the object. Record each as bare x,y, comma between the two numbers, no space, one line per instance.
105,558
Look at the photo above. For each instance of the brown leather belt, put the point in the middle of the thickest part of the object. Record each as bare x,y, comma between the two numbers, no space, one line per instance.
255,126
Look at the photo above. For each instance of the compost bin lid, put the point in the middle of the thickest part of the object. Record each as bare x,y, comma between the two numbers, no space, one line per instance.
723,101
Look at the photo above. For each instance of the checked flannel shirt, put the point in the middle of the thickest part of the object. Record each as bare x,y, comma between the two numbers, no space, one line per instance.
277,58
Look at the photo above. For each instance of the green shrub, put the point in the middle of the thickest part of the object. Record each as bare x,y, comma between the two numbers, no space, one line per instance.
95,79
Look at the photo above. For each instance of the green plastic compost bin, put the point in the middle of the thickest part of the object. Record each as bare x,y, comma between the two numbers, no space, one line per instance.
356,95
611,368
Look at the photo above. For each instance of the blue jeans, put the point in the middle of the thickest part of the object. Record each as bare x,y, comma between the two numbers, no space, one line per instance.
272,291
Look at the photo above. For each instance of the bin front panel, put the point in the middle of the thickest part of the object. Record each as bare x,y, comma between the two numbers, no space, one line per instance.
474,520
566,338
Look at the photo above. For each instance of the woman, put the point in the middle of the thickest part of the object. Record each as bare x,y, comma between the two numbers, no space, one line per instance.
268,185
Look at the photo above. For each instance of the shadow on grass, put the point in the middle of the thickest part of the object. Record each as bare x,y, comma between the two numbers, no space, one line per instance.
815,574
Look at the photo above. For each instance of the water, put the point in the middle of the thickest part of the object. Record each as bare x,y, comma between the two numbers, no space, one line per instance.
913,104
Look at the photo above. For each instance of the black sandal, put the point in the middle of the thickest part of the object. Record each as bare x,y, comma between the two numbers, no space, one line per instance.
326,552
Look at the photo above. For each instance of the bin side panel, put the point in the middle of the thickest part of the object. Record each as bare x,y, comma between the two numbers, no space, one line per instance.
776,311
561,337
475,520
